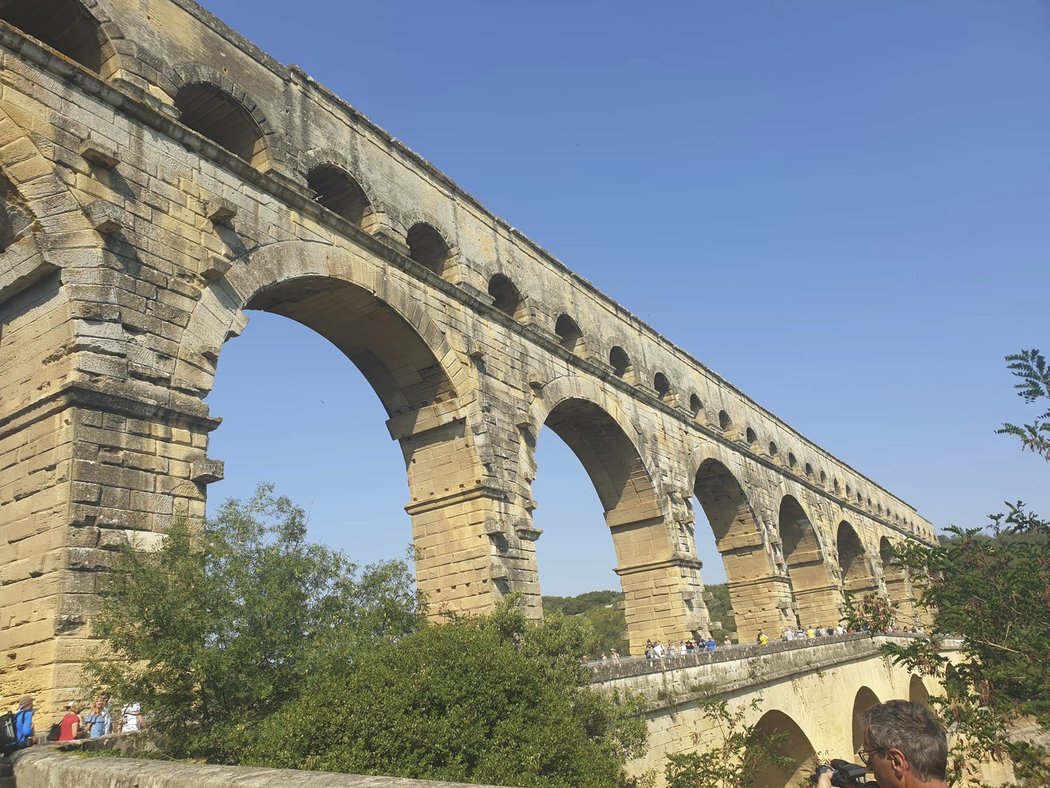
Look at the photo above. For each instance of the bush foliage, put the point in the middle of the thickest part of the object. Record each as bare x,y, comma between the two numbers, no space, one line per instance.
247,644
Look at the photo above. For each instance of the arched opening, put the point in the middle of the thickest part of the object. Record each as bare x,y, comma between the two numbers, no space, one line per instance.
332,470
809,470
863,701
620,362
917,692
569,334
215,114
631,512
506,298
695,405
791,743
662,386
792,461
724,422
751,436
64,25
857,579
817,598
757,592
774,450
898,589
341,194
428,248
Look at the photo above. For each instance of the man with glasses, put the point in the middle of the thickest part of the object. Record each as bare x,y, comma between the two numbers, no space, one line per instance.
904,747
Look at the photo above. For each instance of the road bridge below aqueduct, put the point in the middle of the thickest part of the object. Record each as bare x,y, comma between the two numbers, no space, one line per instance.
161,178
812,693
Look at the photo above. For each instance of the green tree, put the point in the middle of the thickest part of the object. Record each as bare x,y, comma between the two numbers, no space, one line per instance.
871,611
741,756
603,613
220,624
991,586
1033,384
497,699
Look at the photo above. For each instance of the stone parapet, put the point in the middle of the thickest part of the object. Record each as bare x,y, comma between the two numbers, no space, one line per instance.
665,683
42,767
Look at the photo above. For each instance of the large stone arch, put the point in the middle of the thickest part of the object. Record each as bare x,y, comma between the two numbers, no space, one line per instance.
858,578
793,743
917,690
817,596
660,581
898,586
758,592
862,701
376,320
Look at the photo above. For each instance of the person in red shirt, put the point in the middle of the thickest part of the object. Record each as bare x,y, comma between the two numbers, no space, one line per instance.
70,725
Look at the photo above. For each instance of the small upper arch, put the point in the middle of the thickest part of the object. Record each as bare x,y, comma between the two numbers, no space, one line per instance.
217,115
429,248
507,298
570,335
214,106
621,363
68,27
725,422
341,193
696,405
663,387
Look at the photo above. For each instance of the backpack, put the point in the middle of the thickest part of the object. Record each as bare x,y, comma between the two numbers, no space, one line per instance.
9,741
55,732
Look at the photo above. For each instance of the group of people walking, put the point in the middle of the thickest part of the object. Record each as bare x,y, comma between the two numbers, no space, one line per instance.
75,724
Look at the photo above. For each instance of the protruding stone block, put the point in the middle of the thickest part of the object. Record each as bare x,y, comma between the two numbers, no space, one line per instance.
220,210
208,471
214,268
104,216
99,153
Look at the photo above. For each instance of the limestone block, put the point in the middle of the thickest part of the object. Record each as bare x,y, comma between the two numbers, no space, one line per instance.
105,217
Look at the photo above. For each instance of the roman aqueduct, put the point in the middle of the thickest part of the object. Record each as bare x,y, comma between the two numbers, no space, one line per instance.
161,176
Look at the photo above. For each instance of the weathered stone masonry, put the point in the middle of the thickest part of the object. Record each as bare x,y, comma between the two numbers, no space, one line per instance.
160,176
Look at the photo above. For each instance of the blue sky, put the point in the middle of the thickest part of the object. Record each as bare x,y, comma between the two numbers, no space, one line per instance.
840,207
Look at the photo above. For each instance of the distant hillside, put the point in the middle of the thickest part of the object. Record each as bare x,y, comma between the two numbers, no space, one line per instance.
603,610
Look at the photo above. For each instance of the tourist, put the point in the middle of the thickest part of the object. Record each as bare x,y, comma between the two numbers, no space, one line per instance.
614,656
710,645
789,634
132,718
904,747
24,733
97,719
726,641
605,658
649,650
70,726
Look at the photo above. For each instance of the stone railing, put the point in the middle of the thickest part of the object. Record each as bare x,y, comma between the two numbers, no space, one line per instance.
666,682
47,766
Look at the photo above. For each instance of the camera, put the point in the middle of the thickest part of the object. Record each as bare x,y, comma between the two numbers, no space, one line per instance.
844,774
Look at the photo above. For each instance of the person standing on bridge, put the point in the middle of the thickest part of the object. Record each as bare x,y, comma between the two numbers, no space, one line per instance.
904,747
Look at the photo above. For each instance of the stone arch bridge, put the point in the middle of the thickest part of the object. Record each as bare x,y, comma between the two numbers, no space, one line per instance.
160,177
